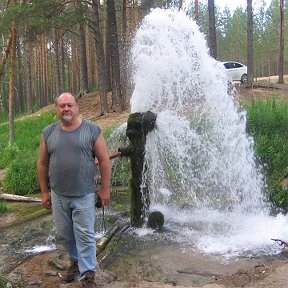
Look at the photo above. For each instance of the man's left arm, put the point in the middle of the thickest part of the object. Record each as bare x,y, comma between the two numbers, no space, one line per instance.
102,154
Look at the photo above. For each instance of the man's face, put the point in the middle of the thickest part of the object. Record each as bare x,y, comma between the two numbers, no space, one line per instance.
67,108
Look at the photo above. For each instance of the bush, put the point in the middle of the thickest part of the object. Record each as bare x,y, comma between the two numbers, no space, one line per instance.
267,123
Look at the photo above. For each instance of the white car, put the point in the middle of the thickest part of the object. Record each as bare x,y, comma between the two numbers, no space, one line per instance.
236,71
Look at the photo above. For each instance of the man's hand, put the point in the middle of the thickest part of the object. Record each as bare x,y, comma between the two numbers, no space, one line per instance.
46,200
104,196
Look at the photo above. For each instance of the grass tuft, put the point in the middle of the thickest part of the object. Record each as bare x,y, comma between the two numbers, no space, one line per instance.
3,207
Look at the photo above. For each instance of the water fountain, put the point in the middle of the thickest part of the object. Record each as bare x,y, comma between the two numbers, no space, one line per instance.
201,169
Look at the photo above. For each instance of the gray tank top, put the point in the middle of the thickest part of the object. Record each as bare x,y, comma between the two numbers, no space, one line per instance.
71,158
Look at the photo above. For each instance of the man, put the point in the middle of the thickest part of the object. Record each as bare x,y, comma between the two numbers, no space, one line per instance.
67,161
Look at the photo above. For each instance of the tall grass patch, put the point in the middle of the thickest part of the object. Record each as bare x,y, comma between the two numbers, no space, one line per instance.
3,207
268,124
20,157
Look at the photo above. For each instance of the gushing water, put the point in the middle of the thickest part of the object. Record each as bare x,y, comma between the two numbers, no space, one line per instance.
201,167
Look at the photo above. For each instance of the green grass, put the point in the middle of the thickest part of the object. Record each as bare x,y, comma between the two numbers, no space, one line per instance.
268,124
20,157
3,207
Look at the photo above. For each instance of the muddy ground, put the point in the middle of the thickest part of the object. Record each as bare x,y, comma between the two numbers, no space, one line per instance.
44,269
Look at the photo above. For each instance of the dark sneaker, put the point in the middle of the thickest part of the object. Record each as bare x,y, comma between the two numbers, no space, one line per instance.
88,280
72,272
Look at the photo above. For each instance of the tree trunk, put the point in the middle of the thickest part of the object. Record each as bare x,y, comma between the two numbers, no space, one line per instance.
63,64
89,56
196,13
83,56
118,102
28,76
100,58
40,71
107,49
250,58
75,67
38,67
124,78
20,98
212,29
281,50
46,74
44,71
57,62
12,83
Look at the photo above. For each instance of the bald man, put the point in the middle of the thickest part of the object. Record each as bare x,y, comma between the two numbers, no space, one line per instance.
67,153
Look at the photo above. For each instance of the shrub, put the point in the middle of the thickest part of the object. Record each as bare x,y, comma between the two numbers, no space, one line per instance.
267,123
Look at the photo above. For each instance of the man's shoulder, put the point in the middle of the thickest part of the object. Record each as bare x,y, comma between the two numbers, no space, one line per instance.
91,124
93,128
50,128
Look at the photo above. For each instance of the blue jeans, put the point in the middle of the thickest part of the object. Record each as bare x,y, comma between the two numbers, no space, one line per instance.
74,219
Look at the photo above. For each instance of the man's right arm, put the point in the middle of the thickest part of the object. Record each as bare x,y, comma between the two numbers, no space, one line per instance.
42,172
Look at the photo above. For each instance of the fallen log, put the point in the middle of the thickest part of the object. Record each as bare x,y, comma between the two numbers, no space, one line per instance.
18,198
103,242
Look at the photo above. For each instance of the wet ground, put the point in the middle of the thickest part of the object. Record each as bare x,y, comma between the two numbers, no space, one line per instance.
132,258
166,263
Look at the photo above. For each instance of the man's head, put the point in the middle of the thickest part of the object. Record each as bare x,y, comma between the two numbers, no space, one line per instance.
67,107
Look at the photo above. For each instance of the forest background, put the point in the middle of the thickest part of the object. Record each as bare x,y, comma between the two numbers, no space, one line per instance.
52,46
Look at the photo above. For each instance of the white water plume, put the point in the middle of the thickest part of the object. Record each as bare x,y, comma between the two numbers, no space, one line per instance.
199,156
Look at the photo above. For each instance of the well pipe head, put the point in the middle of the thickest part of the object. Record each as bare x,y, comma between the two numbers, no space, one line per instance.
140,124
